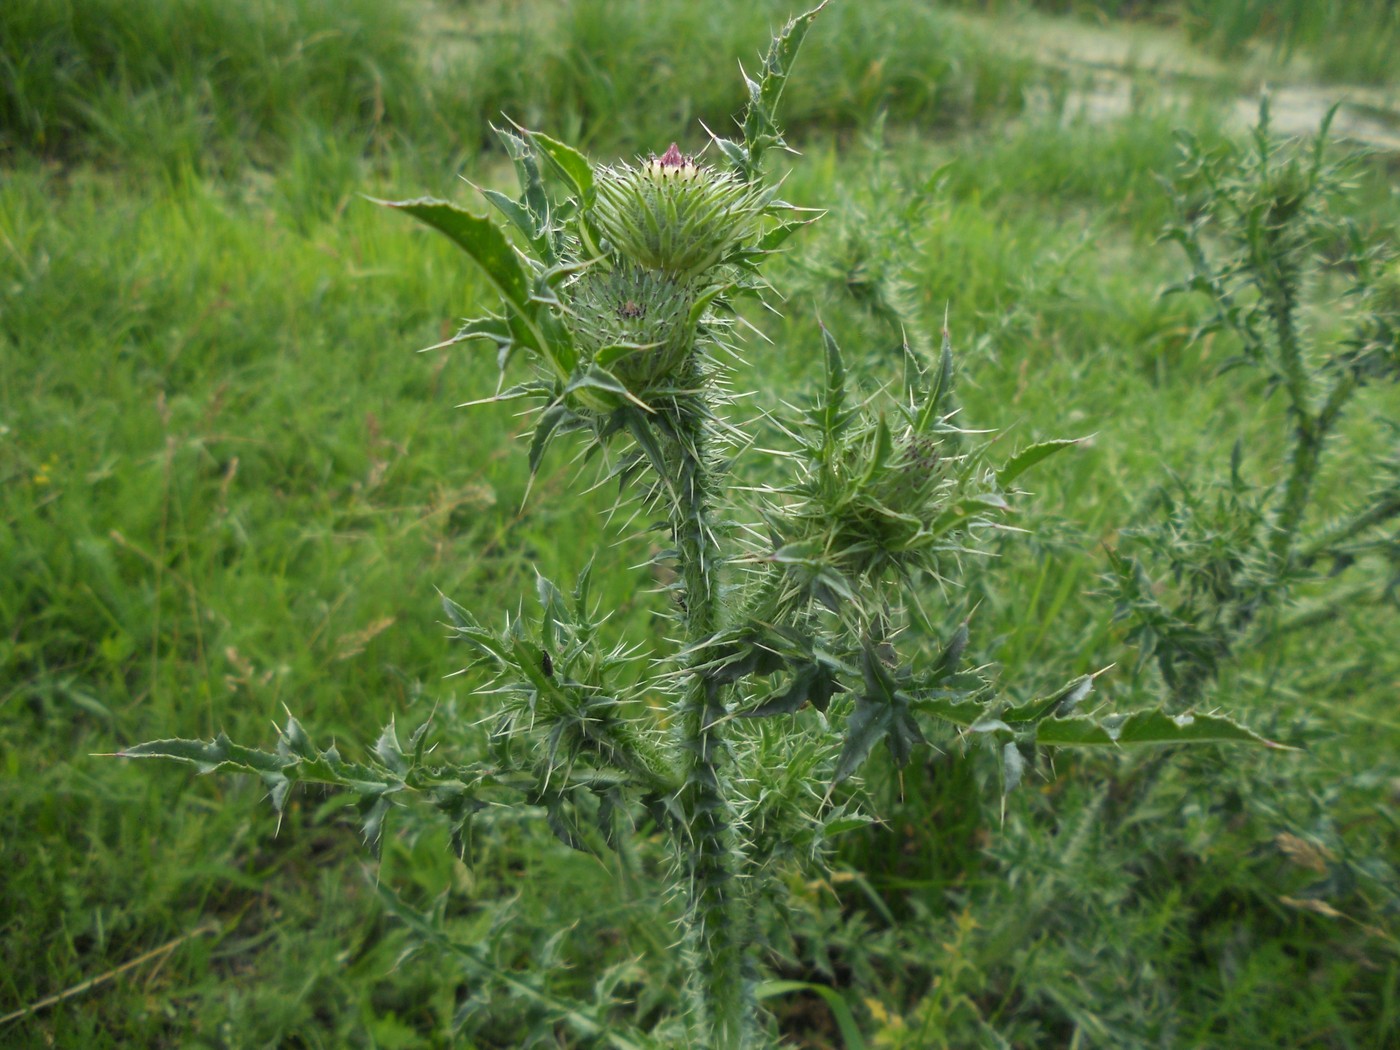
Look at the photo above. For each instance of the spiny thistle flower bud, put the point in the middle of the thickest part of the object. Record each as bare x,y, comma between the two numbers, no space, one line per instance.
913,479
879,521
870,511
631,307
673,215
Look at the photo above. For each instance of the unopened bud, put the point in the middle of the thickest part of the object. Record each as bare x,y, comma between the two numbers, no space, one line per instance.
630,307
673,215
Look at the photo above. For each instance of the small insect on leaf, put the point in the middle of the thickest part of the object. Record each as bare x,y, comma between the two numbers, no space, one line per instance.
547,665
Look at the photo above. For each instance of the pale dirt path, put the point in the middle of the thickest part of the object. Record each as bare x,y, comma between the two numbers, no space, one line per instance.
1113,67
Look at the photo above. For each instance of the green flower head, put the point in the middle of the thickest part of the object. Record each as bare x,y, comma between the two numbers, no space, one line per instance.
673,215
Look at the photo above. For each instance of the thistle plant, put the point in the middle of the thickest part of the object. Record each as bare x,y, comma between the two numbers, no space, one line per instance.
810,618
1313,306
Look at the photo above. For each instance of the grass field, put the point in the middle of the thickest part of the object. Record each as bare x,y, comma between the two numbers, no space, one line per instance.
229,487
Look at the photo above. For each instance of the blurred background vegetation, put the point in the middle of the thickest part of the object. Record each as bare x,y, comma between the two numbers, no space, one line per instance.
227,484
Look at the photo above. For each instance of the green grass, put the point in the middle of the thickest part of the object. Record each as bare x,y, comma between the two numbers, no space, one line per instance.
170,80
227,484
184,85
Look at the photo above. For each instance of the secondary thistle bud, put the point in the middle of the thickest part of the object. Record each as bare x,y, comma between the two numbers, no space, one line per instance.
674,215
631,308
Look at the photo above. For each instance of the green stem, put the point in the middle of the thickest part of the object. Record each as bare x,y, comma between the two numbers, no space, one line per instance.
1310,432
717,913
617,742
1363,594
1385,508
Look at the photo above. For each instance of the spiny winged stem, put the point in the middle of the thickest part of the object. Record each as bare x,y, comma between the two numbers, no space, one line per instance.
708,848
1280,228
1279,247
1274,256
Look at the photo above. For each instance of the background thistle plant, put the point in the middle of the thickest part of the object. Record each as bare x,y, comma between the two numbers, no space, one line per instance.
1263,233
798,646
